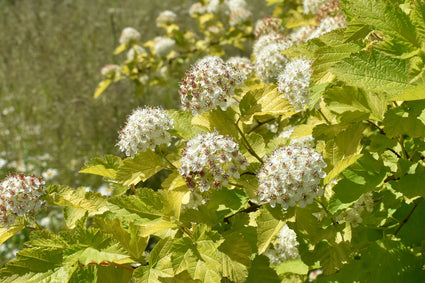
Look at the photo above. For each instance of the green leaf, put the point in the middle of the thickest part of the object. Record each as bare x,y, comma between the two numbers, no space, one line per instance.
388,18
341,166
261,271
236,256
401,121
267,228
172,201
265,101
120,49
6,233
129,238
89,255
113,274
292,266
411,185
332,256
412,232
373,71
101,87
140,168
413,93
222,121
418,18
356,31
86,273
103,167
182,126
328,56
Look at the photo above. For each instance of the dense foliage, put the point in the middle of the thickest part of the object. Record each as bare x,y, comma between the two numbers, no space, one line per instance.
305,164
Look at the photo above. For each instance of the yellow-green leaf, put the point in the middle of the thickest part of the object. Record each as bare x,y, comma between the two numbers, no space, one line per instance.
101,87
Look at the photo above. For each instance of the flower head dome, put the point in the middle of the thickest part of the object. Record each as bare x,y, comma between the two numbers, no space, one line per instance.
268,25
129,35
291,175
145,128
312,6
328,24
294,83
270,61
283,247
165,18
19,197
164,45
209,160
263,41
208,84
239,16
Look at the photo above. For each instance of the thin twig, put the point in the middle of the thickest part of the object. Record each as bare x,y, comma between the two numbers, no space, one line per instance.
381,131
248,146
260,124
253,207
405,219
324,117
393,151
327,211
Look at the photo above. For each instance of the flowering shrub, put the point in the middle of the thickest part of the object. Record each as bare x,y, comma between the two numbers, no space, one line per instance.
308,167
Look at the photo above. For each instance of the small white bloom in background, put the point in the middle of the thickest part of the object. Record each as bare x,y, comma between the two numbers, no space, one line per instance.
215,7
242,64
236,5
3,162
286,133
164,45
270,61
6,111
353,214
195,200
134,52
129,35
89,189
294,83
105,190
268,25
110,71
19,197
291,175
144,79
208,84
165,18
209,160
145,128
73,163
239,16
312,6
197,9
49,174
283,247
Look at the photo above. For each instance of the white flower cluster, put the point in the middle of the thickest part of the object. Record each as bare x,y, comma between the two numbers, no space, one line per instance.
302,34
305,141
165,18
208,84
353,214
110,71
164,45
270,61
294,83
197,9
129,35
239,16
312,6
267,39
134,52
283,247
291,175
268,25
145,128
209,160
19,197
243,64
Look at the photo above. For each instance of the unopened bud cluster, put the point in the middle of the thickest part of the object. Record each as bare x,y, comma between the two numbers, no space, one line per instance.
291,175
129,35
209,160
208,84
353,214
283,247
19,197
294,83
145,128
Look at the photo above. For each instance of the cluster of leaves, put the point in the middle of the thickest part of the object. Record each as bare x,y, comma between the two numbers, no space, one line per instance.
369,126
